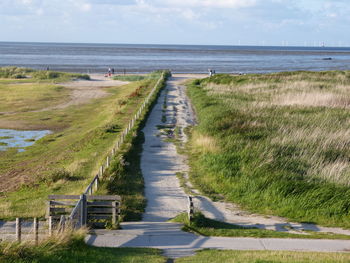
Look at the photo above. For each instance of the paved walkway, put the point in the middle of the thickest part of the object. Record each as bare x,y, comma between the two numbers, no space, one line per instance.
166,199
160,161
176,243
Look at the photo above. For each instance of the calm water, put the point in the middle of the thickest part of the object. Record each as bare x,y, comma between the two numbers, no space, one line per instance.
193,59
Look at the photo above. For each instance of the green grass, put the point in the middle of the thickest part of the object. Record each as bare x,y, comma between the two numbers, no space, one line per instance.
208,227
82,137
154,75
217,256
129,78
21,97
72,250
275,143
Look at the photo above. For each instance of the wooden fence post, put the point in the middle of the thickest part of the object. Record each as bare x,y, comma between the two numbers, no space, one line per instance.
18,229
190,208
101,171
114,213
50,226
83,213
119,211
62,224
108,161
36,230
96,183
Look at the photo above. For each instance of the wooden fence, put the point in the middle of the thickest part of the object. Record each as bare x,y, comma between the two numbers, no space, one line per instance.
83,210
34,232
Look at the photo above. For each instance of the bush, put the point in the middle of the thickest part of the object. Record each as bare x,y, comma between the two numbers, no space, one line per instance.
60,174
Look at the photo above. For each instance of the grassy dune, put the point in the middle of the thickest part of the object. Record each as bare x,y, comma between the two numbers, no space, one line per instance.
64,161
275,143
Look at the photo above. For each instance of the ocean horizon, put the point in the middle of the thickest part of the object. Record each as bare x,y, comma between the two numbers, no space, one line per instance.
144,58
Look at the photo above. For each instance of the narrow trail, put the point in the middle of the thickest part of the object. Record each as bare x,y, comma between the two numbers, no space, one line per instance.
160,162
166,199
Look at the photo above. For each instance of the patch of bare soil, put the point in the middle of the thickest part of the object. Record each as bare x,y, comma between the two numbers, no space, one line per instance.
84,91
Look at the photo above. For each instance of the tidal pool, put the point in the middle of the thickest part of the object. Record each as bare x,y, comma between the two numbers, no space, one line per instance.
19,139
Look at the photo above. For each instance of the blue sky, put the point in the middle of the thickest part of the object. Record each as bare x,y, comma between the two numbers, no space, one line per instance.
221,22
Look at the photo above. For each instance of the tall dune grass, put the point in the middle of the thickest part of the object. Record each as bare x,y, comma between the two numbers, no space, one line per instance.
284,143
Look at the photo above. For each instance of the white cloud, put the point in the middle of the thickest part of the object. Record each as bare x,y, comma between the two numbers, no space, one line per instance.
85,7
26,2
208,3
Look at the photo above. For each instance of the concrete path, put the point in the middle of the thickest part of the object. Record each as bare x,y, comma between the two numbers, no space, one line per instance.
166,199
176,243
160,162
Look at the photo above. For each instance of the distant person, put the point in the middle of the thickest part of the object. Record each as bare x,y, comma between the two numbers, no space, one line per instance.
48,68
113,71
109,72
210,72
213,72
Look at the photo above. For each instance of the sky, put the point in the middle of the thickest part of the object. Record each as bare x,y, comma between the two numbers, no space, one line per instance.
201,22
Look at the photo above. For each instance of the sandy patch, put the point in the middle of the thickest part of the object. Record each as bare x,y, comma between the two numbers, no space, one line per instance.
83,91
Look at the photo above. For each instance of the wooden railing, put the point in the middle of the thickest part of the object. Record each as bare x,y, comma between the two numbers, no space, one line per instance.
83,210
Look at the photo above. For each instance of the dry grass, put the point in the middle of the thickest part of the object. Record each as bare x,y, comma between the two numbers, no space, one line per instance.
314,99
297,92
205,143
48,244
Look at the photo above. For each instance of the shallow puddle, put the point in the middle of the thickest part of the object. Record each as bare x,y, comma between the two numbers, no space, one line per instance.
19,139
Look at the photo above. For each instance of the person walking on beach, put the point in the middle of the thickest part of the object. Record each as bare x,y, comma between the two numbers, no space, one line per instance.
109,72
113,71
210,72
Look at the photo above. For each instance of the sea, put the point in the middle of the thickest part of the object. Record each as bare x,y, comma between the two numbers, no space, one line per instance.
131,58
